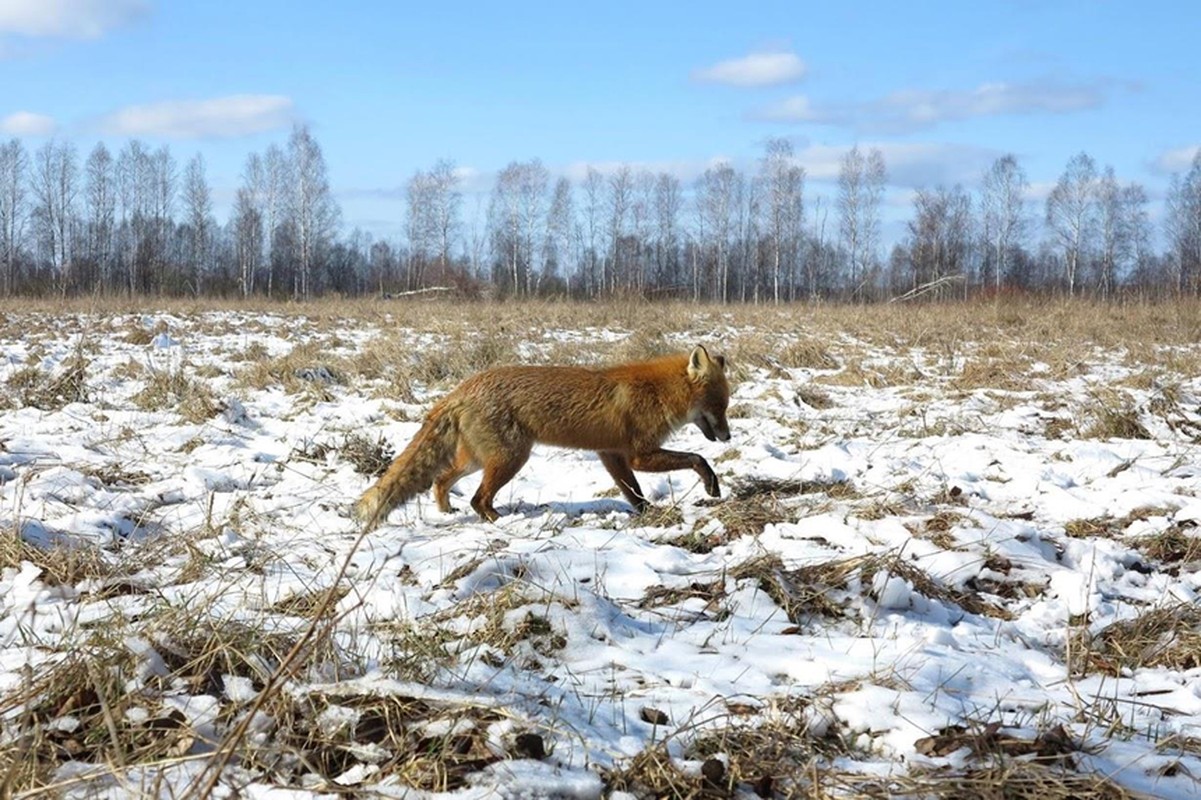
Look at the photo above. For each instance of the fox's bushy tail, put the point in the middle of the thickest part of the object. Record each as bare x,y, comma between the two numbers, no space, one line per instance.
413,471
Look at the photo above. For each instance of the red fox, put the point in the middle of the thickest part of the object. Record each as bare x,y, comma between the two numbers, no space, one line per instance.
624,413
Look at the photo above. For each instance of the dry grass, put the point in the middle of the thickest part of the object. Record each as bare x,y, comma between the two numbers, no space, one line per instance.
436,745
823,590
1114,416
1178,546
32,387
65,564
174,389
1167,637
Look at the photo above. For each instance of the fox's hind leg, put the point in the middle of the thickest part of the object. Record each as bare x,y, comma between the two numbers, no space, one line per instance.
498,470
619,467
463,464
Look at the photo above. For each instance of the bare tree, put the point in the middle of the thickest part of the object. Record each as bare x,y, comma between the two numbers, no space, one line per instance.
313,212
939,239
860,190
592,188
669,201
718,192
560,225
13,212
419,227
1182,226
1114,244
620,198
198,210
1003,205
247,224
276,188
164,179
1072,214
516,221
133,194
447,202
433,202
55,183
1136,223
101,201
782,183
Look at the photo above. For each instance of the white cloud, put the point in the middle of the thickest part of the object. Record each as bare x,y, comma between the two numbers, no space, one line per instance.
756,69
797,108
909,165
912,109
990,99
215,118
26,123
1176,160
68,19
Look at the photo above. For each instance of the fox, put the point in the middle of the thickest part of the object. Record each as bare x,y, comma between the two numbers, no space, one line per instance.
624,413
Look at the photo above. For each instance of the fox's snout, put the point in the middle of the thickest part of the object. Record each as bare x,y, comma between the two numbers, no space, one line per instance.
715,429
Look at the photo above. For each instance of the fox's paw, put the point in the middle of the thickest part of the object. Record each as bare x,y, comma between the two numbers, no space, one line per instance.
366,510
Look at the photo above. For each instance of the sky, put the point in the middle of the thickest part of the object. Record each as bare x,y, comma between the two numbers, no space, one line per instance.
942,88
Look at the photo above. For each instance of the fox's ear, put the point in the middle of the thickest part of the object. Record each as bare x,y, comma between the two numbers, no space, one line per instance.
721,362
698,362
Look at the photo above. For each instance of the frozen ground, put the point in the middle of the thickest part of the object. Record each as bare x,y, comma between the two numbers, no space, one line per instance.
913,577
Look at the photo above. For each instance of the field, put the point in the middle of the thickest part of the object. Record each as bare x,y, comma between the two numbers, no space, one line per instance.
957,556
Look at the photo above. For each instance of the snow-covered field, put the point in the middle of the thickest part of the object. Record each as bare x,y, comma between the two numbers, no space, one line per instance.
936,566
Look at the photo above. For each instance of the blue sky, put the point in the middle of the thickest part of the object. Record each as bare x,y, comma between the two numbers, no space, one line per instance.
942,88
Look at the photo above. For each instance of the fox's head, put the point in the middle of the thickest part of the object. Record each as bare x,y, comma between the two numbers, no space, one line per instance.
710,394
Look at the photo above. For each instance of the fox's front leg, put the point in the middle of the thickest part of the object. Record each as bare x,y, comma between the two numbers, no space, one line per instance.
669,460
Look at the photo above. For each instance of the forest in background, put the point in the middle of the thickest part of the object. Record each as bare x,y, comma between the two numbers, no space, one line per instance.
135,223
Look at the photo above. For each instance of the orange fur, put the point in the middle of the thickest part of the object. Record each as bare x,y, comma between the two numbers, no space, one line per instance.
624,413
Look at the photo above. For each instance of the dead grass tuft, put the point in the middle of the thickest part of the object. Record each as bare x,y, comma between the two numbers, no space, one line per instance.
65,564
835,489
1008,780
1114,416
657,596
1167,637
1177,545
192,399
814,397
369,456
422,744
31,387
824,589
665,516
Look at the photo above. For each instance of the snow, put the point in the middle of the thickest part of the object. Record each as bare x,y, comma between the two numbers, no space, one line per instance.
265,527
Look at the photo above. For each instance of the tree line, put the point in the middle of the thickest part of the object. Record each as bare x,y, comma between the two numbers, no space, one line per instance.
133,223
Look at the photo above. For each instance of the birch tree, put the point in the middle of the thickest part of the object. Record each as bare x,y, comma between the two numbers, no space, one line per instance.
618,202
100,193
198,210
276,186
668,204
593,187
314,212
133,198
782,189
14,164
1003,211
717,197
1072,215
860,190
560,225
55,183
1182,226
